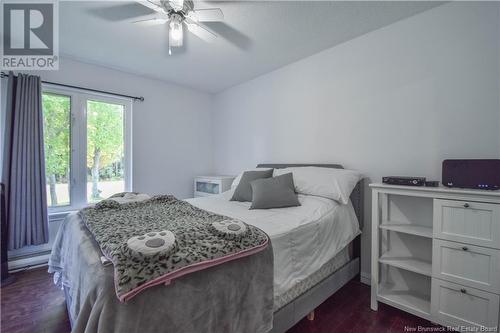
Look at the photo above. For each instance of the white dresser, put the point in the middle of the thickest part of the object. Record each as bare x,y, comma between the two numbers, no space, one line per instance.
436,254
211,185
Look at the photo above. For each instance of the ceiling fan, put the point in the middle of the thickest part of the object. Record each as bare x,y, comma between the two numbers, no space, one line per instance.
179,12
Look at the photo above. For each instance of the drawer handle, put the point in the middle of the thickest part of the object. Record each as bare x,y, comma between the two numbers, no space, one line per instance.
463,291
465,248
466,205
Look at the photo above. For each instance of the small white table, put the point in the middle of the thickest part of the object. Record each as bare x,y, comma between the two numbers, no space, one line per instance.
211,185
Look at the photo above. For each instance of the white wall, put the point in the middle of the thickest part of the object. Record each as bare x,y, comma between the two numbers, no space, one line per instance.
396,101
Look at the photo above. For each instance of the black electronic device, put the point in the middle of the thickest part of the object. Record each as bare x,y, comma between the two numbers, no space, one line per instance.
404,181
481,174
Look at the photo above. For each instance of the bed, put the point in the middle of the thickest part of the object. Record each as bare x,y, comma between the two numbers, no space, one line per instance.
315,248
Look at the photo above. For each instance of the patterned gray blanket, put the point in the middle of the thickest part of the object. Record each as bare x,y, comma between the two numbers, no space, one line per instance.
156,240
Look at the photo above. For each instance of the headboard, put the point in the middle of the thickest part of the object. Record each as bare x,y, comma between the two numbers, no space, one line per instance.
356,195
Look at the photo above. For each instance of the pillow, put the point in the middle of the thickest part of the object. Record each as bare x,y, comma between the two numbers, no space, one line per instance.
129,197
236,181
243,191
276,192
336,184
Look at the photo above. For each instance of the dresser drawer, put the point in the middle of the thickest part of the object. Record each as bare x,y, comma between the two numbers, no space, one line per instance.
455,305
470,265
468,222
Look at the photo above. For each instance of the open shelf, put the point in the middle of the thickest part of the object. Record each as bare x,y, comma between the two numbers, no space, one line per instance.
408,215
408,263
412,229
405,235
407,300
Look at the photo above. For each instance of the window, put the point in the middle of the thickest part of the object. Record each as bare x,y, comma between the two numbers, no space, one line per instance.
105,154
56,130
87,147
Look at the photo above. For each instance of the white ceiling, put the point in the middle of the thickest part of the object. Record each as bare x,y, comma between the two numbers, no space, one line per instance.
255,38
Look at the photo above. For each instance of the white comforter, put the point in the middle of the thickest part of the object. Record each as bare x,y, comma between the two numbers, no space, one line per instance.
304,238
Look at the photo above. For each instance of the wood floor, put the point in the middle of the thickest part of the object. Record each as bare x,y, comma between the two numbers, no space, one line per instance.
34,304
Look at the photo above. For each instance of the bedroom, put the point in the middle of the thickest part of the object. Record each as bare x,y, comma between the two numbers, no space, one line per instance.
380,88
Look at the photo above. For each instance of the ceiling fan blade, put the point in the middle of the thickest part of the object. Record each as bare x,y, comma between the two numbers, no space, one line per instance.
151,21
152,5
209,15
200,31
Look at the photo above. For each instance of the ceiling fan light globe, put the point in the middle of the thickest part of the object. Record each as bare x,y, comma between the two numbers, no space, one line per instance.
175,34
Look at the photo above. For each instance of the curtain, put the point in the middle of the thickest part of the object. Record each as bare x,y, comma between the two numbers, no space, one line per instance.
23,171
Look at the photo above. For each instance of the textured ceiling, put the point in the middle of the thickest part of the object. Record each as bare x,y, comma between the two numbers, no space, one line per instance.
255,38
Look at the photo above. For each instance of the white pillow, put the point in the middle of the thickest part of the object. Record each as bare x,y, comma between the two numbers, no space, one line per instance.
236,180
131,197
336,184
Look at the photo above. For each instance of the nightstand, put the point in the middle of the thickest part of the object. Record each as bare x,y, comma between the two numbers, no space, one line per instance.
211,185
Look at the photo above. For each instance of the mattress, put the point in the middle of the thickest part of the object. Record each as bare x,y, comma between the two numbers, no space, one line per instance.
331,266
304,238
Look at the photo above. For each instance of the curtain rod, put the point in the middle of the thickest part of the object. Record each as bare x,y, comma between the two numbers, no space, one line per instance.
3,75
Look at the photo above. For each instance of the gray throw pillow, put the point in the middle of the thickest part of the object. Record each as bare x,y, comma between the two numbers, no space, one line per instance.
276,192
243,191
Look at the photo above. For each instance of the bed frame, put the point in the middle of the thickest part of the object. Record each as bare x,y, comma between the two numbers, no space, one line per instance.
304,305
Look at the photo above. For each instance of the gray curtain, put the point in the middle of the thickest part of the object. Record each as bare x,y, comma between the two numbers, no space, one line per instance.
23,171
